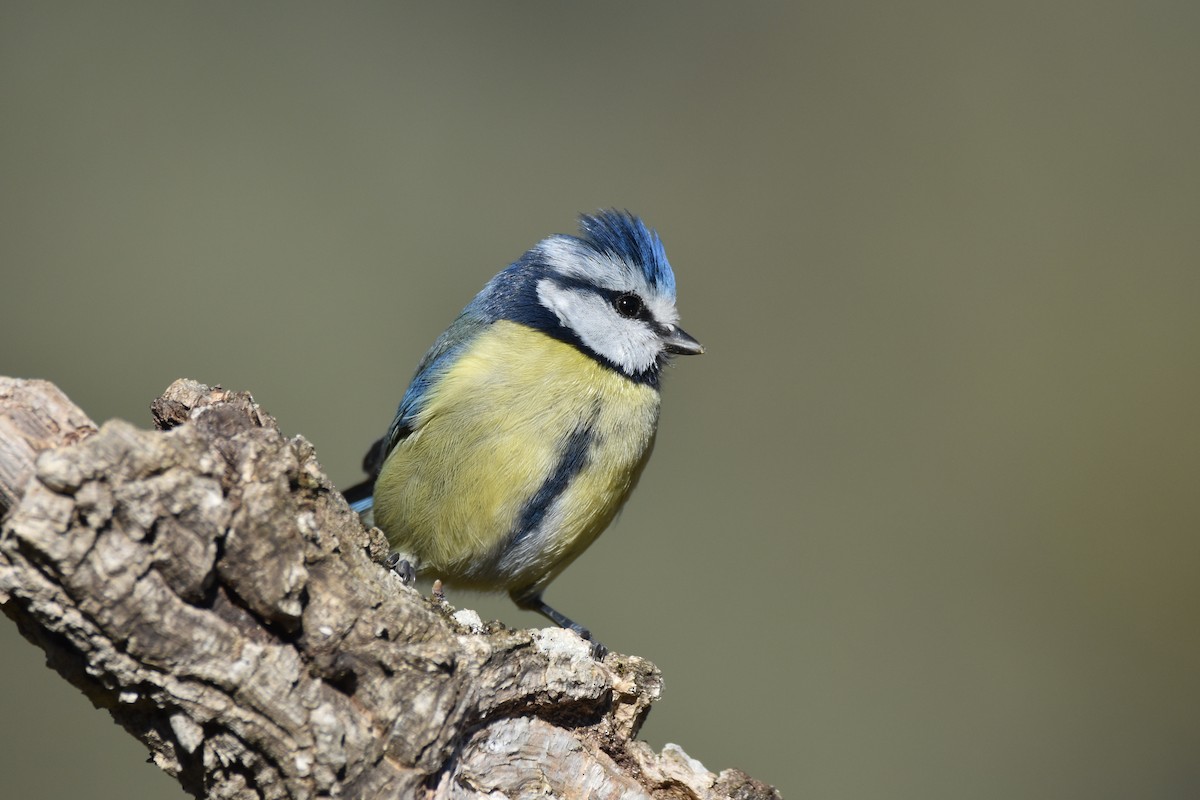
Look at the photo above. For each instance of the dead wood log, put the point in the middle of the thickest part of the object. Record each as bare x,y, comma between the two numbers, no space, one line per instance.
207,585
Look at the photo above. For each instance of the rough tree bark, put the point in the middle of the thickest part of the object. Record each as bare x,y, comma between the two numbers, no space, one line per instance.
207,585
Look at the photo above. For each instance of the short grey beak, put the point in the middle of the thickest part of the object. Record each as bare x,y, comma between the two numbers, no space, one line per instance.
678,342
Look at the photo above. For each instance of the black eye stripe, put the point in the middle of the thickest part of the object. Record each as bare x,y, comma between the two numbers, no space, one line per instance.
628,304
611,296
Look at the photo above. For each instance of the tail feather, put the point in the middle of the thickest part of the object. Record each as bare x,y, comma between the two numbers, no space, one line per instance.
360,496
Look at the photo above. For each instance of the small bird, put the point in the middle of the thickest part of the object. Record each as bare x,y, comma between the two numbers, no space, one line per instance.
530,419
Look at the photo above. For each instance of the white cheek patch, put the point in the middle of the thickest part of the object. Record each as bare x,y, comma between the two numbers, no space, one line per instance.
628,343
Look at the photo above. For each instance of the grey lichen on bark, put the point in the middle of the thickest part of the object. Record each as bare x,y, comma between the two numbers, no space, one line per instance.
207,585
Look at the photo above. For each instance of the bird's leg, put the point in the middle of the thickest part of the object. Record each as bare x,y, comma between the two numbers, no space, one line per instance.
532,601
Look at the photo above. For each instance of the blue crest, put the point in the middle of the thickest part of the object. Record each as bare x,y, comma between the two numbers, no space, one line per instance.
627,237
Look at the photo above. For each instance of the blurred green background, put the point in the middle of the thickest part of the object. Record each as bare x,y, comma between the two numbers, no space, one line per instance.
925,520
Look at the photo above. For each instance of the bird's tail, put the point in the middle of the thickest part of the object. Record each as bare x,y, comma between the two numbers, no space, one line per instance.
361,496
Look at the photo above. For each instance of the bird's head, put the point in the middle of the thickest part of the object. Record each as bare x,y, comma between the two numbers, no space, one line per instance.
609,291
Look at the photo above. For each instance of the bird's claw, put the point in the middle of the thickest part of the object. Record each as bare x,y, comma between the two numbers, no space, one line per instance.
401,566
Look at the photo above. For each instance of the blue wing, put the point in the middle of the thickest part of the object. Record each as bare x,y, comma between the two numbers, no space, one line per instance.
432,366
511,294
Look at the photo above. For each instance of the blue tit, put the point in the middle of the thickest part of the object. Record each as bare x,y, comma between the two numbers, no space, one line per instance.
530,419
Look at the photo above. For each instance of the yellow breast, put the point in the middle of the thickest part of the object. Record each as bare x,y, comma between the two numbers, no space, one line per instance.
522,454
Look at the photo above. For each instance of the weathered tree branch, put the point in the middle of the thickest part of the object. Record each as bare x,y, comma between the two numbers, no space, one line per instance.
208,586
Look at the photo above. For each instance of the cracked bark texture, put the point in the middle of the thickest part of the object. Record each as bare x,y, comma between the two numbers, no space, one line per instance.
207,585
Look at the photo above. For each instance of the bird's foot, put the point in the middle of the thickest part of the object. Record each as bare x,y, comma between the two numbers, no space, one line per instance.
402,567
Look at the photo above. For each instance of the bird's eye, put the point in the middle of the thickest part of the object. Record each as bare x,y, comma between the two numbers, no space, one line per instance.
628,305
